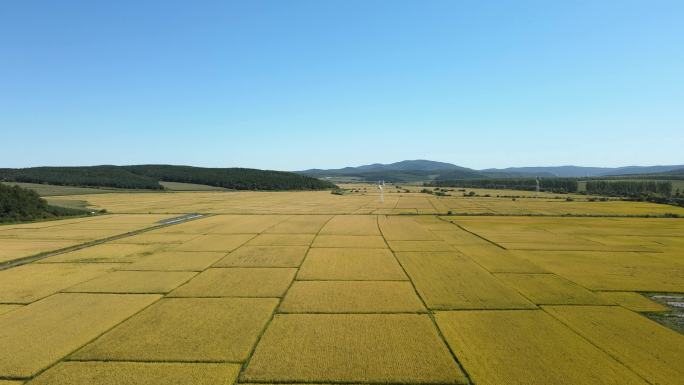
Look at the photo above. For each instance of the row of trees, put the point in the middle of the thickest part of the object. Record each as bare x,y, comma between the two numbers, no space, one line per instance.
232,178
148,177
557,185
95,176
19,204
631,188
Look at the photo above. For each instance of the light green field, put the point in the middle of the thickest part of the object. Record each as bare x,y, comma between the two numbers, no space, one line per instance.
315,288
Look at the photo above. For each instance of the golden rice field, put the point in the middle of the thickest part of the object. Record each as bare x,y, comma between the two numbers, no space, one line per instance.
315,288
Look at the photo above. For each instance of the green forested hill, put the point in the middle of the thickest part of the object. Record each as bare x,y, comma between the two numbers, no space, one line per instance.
148,177
19,204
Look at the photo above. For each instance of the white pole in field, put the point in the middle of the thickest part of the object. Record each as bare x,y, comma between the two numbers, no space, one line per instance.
382,191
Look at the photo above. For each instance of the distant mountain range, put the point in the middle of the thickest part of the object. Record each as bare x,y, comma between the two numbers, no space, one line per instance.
422,170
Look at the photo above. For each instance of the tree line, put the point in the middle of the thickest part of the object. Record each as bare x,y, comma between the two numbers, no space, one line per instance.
18,204
632,188
557,185
148,177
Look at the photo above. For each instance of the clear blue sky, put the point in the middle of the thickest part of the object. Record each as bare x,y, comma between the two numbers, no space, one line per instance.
301,84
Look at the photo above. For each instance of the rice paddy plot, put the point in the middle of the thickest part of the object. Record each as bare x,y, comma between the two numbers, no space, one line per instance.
352,348
134,282
299,224
611,271
653,351
281,240
105,253
396,228
351,297
224,243
264,256
350,241
350,264
450,281
550,289
130,373
245,224
497,260
420,246
28,283
11,249
42,333
176,261
149,237
185,330
632,301
351,225
522,347
4,308
238,282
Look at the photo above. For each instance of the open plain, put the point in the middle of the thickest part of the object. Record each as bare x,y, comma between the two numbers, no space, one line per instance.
312,287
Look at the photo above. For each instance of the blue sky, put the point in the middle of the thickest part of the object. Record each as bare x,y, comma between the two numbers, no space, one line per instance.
292,85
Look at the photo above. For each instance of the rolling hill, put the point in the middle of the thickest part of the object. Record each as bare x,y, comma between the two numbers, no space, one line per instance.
421,170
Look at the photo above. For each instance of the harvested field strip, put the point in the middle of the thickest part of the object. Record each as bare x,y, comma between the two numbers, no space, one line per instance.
37,335
186,330
527,347
649,349
451,281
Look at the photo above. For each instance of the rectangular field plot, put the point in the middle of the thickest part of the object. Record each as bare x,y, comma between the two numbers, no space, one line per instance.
610,271
450,281
521,347
245,224
350,241
11,249
134,282
631,301
653,351
185,330
351,297
238,282
28,283
300,224
350,264
157,373
281,240
8,308
150,237
550,289
497,260
216,242
355,348
106,252
420,246
176,261
40,334
395,228
352,225
264,256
